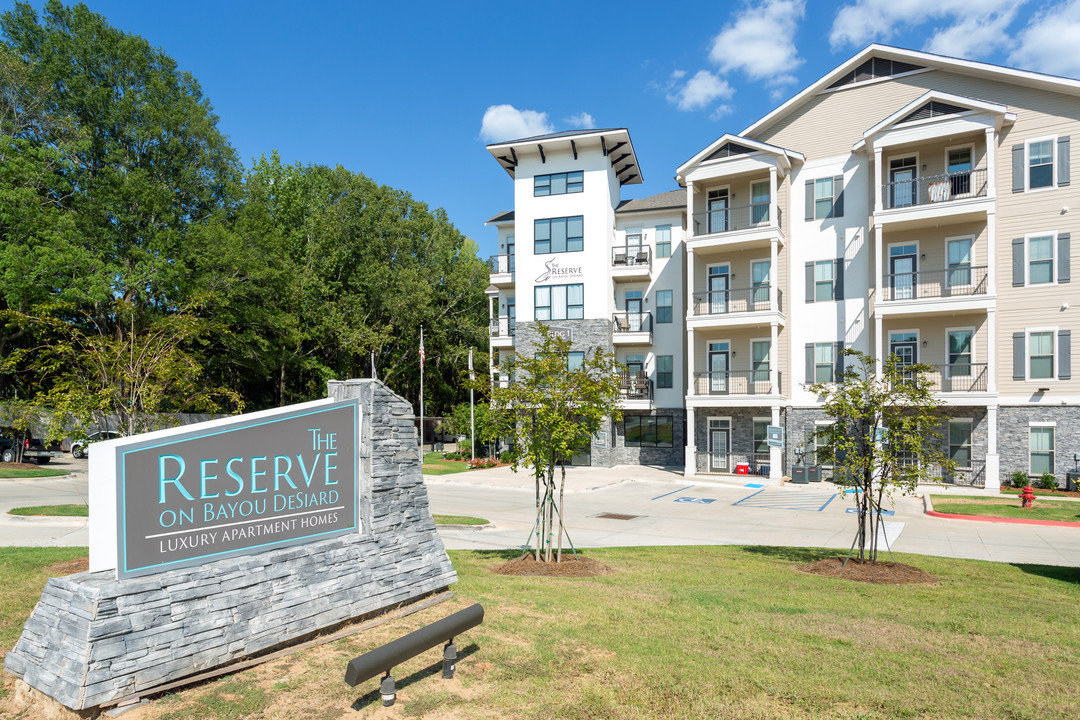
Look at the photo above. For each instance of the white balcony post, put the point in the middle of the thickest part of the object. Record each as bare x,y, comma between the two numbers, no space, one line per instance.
690,209
774,275
878,342
991,349
776,455
774,216
878,175
690,278
690,454
992,471
774,354
691,351
991,153
879,294
991,255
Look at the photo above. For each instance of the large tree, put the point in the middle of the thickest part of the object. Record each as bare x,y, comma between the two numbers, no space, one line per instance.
884,436
552,411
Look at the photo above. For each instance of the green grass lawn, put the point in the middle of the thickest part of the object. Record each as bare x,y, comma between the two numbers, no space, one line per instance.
682,632
53,510
458,520
1042,509
435,465
6,473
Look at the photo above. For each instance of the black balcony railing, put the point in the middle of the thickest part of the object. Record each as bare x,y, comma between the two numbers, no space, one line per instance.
734,382
639,256
934,189
635,386
501,263
959,281
739,300
731,219
958,377
502,327
732,463
632,322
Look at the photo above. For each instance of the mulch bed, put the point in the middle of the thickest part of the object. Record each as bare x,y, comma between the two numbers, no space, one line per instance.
20,466
68,567
881,573
570,566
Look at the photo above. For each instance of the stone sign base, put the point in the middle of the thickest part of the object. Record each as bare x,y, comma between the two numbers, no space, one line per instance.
93,640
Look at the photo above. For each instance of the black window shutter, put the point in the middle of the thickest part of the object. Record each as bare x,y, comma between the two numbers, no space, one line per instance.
809,200
838,279
1018,168
1064,354
809,363
810,294
1063,160
838,196
838,371
1019,369
1018,262
1064,251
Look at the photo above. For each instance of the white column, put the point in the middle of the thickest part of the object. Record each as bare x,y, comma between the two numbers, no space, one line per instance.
774,275
690,467
878,342
774,359
991,252
878,175
774,215
992,473
879,284
689,209
991,155
776,455
991,350
690,279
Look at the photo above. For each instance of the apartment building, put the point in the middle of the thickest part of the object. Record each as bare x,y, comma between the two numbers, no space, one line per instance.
905,203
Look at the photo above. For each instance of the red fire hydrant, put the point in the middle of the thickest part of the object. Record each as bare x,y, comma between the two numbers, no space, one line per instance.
1027,497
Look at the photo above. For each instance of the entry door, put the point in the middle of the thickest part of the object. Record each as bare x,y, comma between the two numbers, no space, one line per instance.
903,188
719,285
902,271
719,445
511,314
718,211
719,363
633,310
905,346
510,253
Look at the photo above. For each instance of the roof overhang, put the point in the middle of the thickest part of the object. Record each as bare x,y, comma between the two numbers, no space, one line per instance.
614,143
979,114
771,154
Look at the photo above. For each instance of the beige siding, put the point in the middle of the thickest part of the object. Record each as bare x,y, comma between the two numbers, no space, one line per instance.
933,247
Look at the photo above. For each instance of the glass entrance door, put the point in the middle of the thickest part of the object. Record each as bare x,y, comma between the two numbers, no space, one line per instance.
633,310
718,211
902,271
719,444
719,359
902,187
719,289
905,346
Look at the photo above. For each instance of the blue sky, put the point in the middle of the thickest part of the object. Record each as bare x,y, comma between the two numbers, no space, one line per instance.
410,93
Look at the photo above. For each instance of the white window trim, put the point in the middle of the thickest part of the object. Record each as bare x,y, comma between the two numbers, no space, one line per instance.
972,238
948,367
1053,163
1027,353
918,173
767,341
832,198
832,371
1052,234
918,255
918,341
1053,452
971,436
656,240
945,169
1042,423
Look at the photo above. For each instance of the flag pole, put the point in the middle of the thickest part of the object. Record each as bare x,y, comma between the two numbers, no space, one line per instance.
421,394
472,407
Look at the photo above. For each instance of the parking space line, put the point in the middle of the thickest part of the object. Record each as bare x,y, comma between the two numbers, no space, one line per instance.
673,492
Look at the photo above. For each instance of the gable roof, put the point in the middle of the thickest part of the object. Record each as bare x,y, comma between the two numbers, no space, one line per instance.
929,61
1000,112
787,157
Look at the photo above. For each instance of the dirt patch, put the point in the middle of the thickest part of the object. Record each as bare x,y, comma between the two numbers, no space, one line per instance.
881,573
1045,493
29,465
571,566
68,567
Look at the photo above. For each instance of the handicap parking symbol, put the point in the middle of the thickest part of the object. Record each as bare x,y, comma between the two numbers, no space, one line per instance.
699,501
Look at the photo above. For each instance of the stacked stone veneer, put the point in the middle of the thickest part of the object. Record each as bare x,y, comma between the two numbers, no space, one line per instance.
93,639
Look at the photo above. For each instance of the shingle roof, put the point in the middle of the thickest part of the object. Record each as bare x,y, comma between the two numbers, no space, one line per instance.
660,201
505,216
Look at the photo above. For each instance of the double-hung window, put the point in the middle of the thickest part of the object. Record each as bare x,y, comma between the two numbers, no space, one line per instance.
1040,172
558,184
959,251
759,351
1041,355
559,302
1041,444
823,198
960,352
960,442
1041,260
663,306
558,235
664,371
823,280
663,241
824,361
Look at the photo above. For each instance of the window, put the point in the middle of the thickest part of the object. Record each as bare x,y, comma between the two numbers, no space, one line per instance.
663,306
759,198
574,360
1040,164
1041,355
633,239
664,371
959,161
959,251
960,442
558,235
761,433
1041,443
557,184
642,431
559,302
759,272
759,349
663,241
823,362
823,280
960,353
1041,260
823,198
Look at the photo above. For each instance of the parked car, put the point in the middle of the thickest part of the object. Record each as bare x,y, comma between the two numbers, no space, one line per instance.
81,448
33,449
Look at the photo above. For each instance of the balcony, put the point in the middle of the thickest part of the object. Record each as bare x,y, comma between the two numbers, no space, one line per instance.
631,262
740,306
636,391
728,463
502,270
958,378
958,195
746,224
632,328
956,289
501,332
734,382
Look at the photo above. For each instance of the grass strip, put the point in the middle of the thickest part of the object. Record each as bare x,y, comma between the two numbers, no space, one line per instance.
8,473
435,465
53,510
1042,509
458,520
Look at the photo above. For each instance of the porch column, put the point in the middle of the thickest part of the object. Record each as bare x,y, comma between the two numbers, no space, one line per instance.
879,284
774,359
690,459
992,472
776,455
991,350
774,215
991,153
690,209
878,175
991,254
774,275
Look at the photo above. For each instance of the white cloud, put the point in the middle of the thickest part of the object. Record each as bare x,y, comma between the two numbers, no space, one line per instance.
761,41
581,120
972,29
505,122
1048,43
700,91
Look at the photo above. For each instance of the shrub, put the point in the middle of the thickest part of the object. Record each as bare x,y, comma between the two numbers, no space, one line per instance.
505,457
1047,482
1018,478
481,463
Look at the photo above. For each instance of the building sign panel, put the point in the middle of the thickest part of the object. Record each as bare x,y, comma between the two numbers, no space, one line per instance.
562,333
237,488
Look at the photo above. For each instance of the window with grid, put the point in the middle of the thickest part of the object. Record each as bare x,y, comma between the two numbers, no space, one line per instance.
823,198
1040,260
663,306
823,362
664,371
559,302
558,235
1041,355
960,443
1040,164
646,431
558,184
1042,450
663,241
823,280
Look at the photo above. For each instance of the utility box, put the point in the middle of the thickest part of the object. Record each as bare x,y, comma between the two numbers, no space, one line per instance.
1072,481
813,473
798,475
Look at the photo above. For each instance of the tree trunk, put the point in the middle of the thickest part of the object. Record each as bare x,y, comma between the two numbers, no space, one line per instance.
562,487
